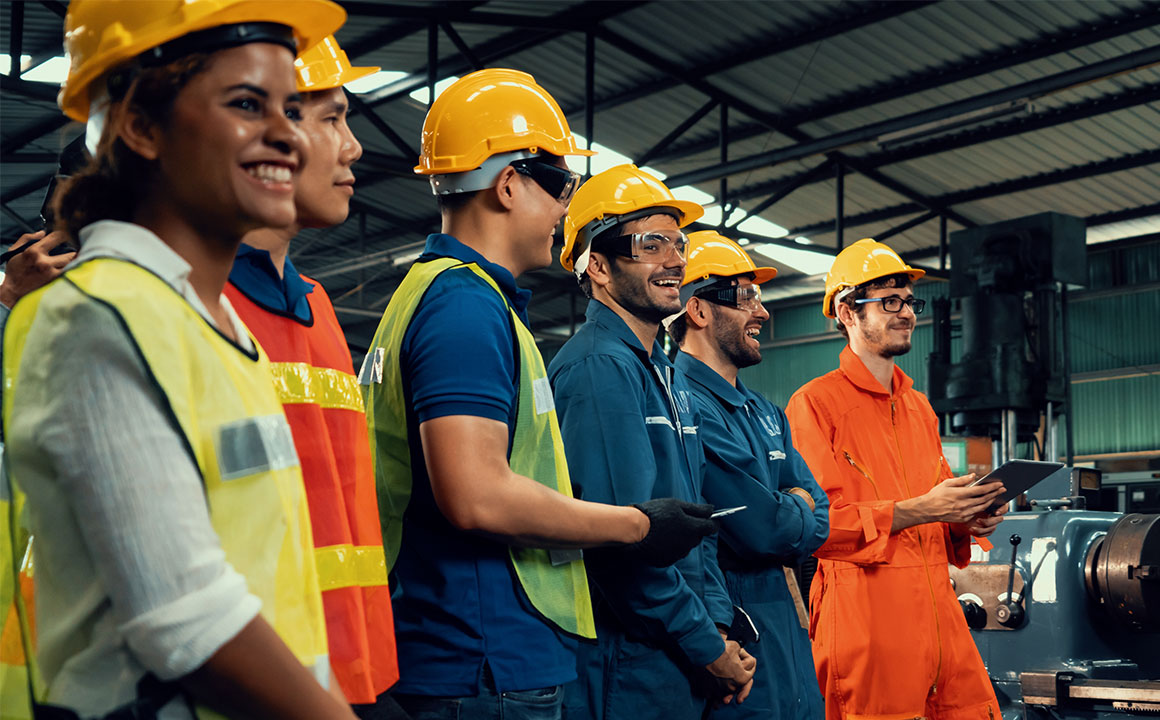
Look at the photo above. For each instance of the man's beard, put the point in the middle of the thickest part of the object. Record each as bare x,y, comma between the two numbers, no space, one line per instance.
884,349
731,338
632,294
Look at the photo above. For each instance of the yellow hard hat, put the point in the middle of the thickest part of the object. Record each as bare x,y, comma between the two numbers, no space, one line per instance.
711,254
325,67
862,262
103,34
487,113
605,200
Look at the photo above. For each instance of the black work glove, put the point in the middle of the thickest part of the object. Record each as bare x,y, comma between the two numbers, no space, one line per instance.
675,528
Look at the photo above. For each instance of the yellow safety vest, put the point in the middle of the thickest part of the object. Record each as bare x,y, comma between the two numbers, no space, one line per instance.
558,591
224,403
15,577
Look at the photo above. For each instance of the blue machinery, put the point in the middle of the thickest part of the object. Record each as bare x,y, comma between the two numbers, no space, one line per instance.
1065,609
1077,635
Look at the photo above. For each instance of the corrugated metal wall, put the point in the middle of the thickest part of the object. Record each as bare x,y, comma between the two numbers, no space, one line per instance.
1115,331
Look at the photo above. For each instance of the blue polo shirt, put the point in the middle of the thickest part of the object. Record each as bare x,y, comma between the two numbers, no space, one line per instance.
457,602
630,435
254,274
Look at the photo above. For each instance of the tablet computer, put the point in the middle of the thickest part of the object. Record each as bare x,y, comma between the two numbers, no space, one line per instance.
1017,476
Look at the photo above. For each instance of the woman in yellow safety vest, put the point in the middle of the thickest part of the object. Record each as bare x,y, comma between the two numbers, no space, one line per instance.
173,556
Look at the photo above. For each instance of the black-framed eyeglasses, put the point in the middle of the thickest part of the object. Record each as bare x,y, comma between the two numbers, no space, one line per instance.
645,247
894,303
560,183
742,298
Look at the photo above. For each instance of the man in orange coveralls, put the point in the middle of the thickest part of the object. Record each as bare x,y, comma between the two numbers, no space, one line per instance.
293,318
889,639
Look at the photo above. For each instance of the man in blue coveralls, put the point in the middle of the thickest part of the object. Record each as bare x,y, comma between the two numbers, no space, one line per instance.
750,461
630,434
469,467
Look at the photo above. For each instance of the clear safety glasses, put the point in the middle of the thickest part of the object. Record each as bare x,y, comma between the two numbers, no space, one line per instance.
560,183
743,298
646,247
893,303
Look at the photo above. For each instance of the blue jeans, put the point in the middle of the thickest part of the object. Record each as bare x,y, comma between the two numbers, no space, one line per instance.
540,704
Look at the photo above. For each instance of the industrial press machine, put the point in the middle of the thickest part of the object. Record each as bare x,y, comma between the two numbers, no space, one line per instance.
1065,608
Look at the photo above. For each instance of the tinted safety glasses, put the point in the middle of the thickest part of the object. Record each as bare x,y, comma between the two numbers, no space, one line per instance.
646,246
560,183
894,303
743,298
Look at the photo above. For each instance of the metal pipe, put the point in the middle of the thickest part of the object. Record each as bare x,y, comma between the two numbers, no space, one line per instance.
1068,406
432,59
943,246
723,191
839,203
16,40
589,95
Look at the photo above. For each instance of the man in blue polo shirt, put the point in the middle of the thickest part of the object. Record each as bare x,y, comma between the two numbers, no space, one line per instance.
750,461
469,464
631,434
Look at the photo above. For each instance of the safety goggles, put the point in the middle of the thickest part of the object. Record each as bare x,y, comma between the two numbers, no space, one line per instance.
893,303
645,247
560,183
743,298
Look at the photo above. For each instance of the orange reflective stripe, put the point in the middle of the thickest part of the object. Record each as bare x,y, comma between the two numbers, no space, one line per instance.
299,382
341,566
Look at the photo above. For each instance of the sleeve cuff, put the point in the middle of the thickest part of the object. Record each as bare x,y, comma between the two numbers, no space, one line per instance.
174,640
704,645
459,407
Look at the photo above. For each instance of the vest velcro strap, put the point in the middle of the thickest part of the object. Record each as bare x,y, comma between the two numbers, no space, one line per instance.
299,382
341,566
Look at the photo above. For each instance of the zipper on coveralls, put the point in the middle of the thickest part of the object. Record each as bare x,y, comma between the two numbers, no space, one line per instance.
922,551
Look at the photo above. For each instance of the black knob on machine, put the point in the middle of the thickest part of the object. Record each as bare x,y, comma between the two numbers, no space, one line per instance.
975,614
1010,612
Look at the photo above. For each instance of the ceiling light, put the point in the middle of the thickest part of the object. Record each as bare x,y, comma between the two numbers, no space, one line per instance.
374,81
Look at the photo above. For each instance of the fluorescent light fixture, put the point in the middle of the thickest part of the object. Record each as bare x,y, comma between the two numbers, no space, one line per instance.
422,94
807,262
760,226
1123,229
374,81
803,240
53,71
6,62
692,194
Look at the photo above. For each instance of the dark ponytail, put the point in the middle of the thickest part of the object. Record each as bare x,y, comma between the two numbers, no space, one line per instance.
115,181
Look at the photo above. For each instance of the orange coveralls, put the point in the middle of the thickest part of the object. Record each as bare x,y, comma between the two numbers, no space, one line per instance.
889,639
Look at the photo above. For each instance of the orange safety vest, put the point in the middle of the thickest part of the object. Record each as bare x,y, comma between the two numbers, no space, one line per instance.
889,638
315,380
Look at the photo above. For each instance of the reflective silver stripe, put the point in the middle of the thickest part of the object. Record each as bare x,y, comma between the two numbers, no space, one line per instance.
254,445
659,420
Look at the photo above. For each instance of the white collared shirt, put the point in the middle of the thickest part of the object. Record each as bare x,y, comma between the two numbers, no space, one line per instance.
130,575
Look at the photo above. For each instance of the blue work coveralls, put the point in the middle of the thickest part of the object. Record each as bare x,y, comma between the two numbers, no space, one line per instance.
630,435
750,460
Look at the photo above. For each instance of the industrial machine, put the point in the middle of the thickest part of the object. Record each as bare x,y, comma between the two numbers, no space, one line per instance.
1065,608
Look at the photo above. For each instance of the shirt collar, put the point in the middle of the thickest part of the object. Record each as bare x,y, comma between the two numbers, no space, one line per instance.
710,379
127,241
605,317
857,372
443,245
254,274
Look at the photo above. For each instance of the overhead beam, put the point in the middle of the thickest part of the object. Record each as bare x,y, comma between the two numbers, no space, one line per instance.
393,33
974,136
31,90
824,170
450,12
908,225
1005,187
31,186
1032,89
980,64
676,132
575,18
16,40
381,125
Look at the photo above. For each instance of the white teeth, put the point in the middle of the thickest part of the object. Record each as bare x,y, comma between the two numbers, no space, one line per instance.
270,173
666,283
753,332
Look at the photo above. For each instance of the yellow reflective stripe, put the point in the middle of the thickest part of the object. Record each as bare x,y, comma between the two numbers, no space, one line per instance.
303,383
342,566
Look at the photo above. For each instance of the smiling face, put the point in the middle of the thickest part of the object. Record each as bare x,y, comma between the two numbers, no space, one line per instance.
322,194
879,332
539,215
735,330
230,152
648,290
